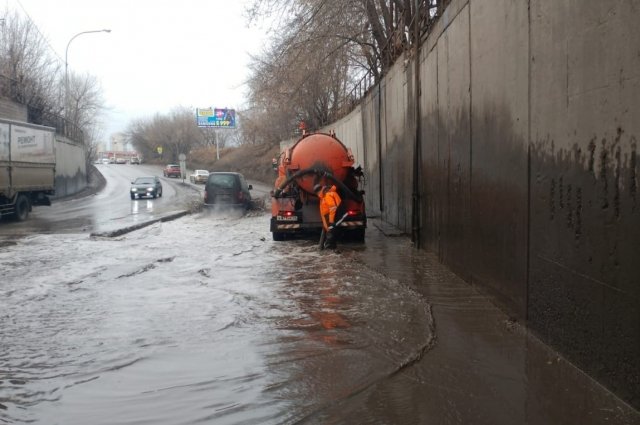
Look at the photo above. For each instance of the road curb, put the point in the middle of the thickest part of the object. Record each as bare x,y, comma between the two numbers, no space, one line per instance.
128,229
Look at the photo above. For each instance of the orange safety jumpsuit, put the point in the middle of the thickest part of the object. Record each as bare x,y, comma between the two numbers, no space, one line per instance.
329,203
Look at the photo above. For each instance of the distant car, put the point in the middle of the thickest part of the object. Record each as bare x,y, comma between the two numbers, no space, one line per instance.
146,187
171,170
104,161
112,160
134,160
121,161
199,176
227,190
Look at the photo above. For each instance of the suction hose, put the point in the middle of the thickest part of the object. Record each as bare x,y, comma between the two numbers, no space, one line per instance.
320,173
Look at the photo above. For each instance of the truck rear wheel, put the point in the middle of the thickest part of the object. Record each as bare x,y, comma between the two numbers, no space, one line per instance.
22,208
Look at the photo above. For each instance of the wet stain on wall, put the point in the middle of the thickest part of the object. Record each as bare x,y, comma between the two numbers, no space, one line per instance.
585,241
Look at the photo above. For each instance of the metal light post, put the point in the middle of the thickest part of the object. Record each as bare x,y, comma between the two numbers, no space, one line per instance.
66,68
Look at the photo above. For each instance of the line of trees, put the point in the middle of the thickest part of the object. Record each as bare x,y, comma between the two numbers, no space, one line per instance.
176,132
319,51
32,74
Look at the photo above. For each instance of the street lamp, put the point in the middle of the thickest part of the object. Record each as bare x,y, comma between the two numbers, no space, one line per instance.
66,67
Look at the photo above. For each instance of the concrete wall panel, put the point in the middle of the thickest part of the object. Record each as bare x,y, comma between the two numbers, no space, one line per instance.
585,237
499,190
455,133
349,131
13,111
71,168
397,160
433,174
371,164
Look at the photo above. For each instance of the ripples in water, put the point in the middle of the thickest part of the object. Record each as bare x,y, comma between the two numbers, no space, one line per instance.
234,328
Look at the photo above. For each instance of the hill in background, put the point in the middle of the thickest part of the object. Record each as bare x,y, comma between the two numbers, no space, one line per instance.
254,161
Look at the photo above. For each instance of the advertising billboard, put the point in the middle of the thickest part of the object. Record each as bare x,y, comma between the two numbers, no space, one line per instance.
216,117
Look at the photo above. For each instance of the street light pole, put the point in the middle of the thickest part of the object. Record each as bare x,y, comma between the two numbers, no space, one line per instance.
66,68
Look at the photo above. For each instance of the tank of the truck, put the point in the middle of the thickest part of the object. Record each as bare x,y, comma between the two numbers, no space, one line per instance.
318,151
27,158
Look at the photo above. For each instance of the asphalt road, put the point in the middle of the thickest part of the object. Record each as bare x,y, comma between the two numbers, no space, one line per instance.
205,319
112,208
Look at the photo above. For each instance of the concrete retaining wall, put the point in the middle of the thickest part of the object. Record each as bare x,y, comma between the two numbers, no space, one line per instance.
71,167
13,111
530,119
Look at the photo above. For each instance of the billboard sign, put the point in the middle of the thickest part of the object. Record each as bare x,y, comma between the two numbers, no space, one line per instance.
216,117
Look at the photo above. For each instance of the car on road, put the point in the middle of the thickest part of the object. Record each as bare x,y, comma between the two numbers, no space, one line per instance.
171,170
105,160
227,189
146,187
199,176
121,161
134,160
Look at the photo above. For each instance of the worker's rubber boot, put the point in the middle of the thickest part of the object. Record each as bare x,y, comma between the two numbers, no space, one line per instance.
330,241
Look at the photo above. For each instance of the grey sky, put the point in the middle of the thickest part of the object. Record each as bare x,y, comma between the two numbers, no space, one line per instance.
160,54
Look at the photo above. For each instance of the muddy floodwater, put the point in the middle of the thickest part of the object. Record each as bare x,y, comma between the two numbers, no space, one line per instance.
201,320
206,320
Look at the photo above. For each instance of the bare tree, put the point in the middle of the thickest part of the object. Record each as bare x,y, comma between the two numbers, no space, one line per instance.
85,102
325,53
176,133
29,72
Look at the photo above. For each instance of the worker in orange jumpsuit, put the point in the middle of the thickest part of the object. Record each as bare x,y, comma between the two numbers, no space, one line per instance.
329,203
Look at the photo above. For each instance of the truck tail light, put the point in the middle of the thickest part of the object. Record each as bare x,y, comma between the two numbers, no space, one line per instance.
351,213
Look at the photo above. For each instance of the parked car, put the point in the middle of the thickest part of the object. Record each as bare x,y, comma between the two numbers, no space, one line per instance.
172,170
199,176
121,161
134,160
227,190
105,160
146,187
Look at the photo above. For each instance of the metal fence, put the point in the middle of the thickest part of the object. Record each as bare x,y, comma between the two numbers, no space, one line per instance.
428,13
19,93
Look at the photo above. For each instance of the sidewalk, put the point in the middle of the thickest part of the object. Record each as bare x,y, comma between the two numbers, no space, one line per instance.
485,368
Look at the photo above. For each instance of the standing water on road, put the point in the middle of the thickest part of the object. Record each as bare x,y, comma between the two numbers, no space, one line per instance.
200,320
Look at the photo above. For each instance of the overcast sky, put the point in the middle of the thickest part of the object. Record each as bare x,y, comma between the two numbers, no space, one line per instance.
160,53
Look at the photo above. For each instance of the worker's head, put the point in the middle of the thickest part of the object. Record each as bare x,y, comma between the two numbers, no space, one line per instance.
317,188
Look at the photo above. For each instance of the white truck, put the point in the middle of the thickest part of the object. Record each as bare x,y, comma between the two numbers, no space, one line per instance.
27,167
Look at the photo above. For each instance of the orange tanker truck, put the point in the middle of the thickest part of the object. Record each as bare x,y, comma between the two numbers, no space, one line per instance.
317,158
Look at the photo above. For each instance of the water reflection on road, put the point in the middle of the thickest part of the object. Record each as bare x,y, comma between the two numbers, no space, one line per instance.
202,320
206,320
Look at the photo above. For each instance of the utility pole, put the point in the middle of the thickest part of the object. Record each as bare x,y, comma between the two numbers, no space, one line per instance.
66,69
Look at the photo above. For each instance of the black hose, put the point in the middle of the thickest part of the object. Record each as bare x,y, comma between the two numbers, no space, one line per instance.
320,173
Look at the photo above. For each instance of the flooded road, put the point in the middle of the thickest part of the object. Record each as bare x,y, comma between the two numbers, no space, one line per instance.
206,320
200,320
109,209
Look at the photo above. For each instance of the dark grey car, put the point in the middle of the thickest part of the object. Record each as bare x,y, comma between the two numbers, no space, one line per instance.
227,190
146,187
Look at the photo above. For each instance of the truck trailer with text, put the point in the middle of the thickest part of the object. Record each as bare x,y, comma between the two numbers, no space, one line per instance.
27,167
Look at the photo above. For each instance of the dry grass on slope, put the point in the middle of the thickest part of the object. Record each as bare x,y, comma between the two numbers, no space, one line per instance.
254,161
